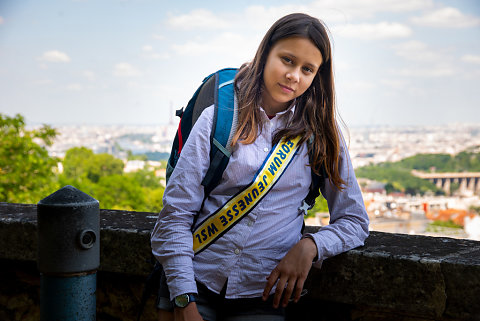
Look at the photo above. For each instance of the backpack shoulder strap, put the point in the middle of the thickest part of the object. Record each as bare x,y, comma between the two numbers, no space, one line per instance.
224,127
201,99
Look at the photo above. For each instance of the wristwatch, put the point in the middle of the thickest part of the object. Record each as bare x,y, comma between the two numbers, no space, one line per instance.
183,300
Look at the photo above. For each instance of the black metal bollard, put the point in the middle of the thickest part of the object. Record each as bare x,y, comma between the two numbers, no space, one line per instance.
68,255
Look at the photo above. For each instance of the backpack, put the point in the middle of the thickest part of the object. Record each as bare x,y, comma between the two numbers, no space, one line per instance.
218,89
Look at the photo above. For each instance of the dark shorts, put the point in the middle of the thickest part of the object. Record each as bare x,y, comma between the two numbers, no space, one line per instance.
163,298
215,307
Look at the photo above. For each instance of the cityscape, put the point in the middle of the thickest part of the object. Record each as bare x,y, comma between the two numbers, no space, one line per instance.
395,212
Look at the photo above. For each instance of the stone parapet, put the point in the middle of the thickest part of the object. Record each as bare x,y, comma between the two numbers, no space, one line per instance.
392,277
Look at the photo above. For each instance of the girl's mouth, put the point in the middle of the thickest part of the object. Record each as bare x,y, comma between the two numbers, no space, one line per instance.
286,89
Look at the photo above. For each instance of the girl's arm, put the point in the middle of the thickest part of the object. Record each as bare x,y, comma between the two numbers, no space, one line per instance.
348,229
349,221
171,239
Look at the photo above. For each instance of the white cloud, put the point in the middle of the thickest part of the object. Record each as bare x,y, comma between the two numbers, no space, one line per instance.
348,9
133,84
149,53
55,56
359,85
447,18
259,17
158,37
425,62
341,65
155,55
159,56
74,87
367,31
124,69
90,75
332,11
227,42
474,59
1,20
43,82
394,83
417,51
432,72
197,19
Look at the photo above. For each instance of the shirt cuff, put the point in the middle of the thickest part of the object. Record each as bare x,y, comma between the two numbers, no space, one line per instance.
180,276
318,260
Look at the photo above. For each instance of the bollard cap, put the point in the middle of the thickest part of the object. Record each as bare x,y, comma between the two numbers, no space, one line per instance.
68,227
68,196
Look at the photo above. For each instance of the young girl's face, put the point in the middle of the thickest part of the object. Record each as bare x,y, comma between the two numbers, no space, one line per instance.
290,69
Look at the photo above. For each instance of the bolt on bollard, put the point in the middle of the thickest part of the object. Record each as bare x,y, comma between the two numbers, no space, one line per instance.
68,255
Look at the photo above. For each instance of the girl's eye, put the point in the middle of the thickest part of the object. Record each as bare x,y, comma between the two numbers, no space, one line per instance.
308,69
287,60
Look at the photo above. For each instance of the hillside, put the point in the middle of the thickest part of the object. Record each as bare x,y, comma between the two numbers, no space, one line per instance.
398,177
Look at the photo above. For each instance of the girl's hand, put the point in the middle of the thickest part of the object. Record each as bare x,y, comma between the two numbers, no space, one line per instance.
291,272
188,313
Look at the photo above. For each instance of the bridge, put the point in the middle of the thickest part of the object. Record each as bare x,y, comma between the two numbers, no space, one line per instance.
467,181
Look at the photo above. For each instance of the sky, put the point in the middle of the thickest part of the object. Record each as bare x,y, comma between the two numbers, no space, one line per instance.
92,62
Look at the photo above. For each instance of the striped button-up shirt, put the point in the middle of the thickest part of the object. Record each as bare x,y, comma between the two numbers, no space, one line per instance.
249,251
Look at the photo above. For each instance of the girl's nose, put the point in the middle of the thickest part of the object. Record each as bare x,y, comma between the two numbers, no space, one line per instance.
293,75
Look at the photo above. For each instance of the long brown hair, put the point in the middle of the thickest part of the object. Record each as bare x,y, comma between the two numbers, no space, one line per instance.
315,111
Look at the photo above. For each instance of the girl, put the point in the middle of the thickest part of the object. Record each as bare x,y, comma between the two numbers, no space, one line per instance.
285,96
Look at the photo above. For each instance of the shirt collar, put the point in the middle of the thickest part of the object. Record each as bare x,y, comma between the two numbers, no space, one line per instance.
287,112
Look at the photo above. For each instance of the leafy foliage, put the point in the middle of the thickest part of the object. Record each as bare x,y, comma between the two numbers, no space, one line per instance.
441,226
462,162
26,170
82,163
102,177
399,178
28,173
320,206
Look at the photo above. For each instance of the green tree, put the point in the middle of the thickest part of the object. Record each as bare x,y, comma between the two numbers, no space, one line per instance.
120,192
131,156
103,165
81,163
146,178
424,162
26,170
320,206
153,198
102,177
398,178
76,161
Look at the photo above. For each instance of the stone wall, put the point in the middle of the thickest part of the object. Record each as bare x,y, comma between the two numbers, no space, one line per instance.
393,277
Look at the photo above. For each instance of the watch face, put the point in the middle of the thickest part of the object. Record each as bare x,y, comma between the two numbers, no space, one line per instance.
182,301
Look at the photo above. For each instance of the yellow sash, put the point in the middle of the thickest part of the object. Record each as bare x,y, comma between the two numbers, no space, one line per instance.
244,201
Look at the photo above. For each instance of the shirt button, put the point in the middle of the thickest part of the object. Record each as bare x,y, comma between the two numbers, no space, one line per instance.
266,149
237,251
250,223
